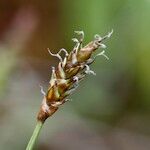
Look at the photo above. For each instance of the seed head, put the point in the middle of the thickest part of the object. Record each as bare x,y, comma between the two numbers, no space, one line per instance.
71,69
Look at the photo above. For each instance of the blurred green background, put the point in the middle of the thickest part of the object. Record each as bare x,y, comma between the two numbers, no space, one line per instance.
110,111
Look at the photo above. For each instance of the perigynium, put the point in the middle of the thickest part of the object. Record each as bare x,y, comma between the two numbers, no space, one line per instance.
65,78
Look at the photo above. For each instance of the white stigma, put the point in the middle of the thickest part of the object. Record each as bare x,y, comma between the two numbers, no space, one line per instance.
88,71
42,91
56,55
102,54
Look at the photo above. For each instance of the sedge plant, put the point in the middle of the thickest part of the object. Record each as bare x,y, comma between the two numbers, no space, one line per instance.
66,77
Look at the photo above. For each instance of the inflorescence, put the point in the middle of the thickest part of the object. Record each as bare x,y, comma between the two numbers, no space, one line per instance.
70,71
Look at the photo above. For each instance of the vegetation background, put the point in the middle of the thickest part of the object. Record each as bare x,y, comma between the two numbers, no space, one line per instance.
110,111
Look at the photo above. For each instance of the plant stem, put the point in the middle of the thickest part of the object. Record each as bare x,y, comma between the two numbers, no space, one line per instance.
34,136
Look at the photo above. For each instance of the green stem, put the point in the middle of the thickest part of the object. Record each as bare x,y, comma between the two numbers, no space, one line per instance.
34,136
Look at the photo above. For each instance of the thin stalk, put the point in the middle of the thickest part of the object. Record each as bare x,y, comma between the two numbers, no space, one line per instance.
34,136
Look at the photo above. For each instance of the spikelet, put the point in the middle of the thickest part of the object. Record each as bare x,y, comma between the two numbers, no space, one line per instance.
70,71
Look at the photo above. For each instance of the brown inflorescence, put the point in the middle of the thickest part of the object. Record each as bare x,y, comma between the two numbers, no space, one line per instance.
69,72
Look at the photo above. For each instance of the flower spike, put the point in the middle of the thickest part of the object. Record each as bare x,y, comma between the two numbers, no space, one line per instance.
70,70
